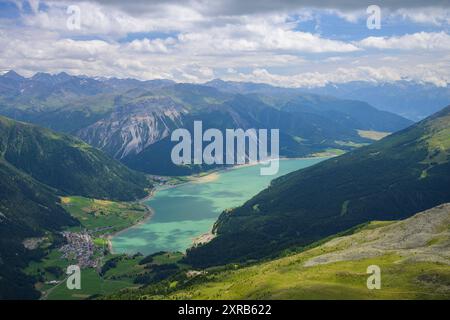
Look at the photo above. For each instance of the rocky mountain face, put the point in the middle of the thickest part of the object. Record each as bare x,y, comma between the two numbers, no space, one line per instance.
134,127
423,237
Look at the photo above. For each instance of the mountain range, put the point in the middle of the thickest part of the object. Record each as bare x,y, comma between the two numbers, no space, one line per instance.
132,120
410,99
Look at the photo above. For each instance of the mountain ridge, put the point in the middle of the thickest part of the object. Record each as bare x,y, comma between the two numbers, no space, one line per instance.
66,163
411,99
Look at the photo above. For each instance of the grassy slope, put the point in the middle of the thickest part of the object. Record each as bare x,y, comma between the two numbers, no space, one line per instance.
91,285
287,279
415,267
391,179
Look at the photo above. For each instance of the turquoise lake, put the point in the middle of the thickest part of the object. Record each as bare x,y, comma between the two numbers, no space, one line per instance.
184,212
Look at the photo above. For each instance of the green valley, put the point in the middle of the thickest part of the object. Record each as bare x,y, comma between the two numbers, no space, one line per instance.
37,166
97,219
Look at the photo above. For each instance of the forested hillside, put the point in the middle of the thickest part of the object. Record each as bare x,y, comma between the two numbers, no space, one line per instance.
391,179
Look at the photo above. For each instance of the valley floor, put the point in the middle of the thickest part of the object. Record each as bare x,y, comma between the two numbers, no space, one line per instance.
85,245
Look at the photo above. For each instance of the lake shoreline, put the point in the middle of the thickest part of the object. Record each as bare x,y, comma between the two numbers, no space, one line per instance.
149,214
195,178
204,177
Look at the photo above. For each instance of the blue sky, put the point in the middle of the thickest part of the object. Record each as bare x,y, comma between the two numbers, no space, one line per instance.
286,42
334,27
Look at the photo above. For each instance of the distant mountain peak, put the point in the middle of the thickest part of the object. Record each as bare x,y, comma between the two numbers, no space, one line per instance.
41,75
216,81
51,78
11,74
64,76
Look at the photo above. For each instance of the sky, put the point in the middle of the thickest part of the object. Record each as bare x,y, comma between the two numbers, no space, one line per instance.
291,43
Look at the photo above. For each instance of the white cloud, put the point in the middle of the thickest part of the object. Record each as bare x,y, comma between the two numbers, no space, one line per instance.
260,36
110,21
345,74
430,16
247,7
352,16
146,45
416,41
190,42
